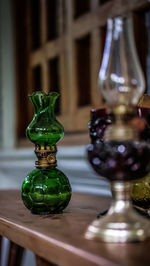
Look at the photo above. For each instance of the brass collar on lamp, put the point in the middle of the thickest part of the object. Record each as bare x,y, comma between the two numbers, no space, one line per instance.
46,156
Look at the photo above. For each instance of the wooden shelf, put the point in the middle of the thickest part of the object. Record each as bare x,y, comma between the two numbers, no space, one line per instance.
59,238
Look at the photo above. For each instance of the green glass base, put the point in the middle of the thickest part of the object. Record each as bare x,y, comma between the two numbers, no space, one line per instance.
46,191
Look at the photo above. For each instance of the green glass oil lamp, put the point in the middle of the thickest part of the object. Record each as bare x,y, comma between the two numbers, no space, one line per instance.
45,189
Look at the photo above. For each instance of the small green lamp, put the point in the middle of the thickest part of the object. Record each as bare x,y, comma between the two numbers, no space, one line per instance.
45,189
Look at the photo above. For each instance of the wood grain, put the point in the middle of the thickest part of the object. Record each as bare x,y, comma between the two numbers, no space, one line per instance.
60,238
42,262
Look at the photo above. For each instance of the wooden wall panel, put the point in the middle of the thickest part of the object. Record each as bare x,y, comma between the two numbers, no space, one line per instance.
59,28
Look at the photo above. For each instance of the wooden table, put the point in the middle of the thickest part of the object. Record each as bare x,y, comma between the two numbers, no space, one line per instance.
59,238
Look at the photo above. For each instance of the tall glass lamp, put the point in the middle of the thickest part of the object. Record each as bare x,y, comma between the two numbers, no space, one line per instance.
122,157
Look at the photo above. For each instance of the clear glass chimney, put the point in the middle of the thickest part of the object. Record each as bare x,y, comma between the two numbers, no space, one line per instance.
121,80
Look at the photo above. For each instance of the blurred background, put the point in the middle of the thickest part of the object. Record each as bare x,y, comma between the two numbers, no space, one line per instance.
57,45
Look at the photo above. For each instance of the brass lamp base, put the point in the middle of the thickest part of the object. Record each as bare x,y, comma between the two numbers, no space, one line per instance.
135,229
121,224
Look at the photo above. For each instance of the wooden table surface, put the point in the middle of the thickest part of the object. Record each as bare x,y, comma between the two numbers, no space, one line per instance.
59,238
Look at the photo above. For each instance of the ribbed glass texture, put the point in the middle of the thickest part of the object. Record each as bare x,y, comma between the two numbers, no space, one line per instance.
46,191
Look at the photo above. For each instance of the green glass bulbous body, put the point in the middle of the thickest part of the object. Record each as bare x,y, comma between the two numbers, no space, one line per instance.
44,129
46,190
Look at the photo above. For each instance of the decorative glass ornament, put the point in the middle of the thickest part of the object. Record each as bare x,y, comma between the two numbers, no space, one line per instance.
45,189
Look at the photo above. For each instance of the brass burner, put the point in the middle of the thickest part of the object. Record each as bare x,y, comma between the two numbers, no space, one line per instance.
46,156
